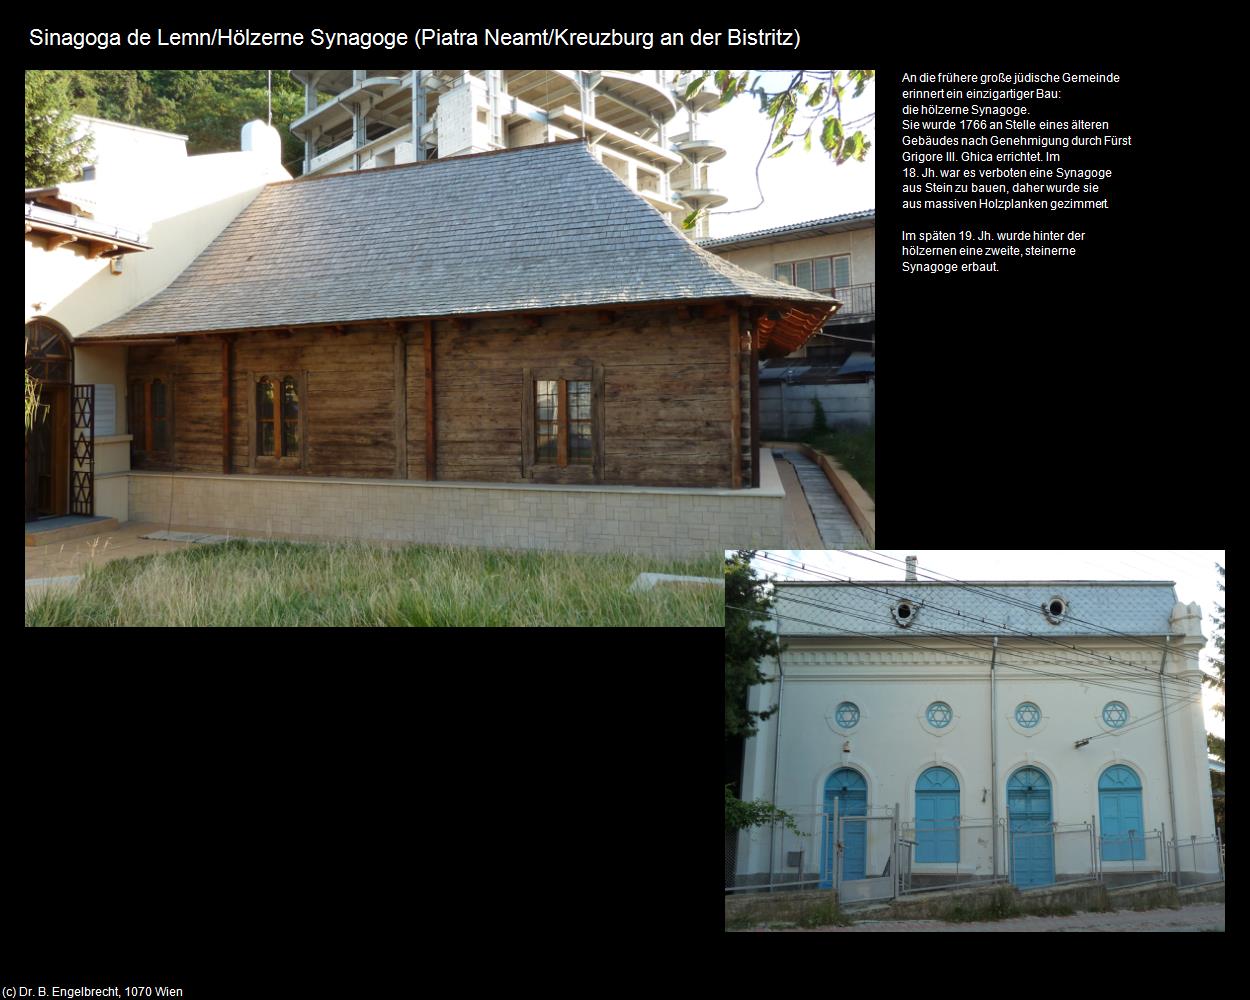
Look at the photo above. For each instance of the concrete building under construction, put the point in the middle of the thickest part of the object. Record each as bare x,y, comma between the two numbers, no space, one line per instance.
638,124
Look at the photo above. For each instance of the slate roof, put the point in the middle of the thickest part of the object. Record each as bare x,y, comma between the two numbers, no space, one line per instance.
796,230
839,609
539,227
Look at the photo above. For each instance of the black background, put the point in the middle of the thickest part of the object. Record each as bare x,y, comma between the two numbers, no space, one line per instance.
185,808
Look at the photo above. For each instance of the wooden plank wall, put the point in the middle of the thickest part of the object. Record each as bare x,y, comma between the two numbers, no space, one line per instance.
666,393
195,367
349,413
666,378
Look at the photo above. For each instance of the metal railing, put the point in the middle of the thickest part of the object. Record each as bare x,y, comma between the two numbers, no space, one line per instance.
1197,861
953,854
1064,853
857,300
874,856
1133,859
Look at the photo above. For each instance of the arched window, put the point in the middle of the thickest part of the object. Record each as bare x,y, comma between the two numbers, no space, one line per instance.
937,816
276,435
1120,814
48,354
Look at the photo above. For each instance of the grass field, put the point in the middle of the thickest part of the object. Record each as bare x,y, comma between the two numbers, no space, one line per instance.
283,583
855,449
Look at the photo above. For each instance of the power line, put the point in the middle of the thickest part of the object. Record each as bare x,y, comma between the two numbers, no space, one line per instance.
1122,687
1015,601
1145,720
1137,670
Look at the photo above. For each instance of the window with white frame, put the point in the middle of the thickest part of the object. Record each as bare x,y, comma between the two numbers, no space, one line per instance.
819,274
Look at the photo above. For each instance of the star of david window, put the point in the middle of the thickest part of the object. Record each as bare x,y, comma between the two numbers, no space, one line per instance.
847,714
1115,714
1028,715
939,715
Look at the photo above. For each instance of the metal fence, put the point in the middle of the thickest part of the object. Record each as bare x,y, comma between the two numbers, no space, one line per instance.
828,851
1197,861
1064,853
1133,859
874,856
951,854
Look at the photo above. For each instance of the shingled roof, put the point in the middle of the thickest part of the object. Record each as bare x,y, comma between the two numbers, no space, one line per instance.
541,227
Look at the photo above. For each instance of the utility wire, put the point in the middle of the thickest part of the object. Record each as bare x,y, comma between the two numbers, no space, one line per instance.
1017,602
1148,719
1078,668
1137,670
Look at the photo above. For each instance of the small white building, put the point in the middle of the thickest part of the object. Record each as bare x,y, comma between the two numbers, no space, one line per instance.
1036,732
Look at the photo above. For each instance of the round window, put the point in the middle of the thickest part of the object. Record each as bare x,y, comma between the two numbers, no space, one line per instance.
1115,714
847,714
1055,608
904,612
939,715
1028,715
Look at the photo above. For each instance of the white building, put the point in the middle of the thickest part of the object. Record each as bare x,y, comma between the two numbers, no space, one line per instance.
1033,731
639,124
94,249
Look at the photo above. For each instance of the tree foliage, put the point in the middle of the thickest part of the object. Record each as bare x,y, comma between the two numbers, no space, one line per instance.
1217,681
208,106
740,815
812,102
747,602
53,154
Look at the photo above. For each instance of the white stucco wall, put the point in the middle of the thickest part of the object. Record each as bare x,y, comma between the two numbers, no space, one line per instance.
861,244
892,744
179,210
180,204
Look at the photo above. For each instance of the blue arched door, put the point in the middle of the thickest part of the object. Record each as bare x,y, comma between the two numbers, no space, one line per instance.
850,791
1028,812
1120,814
937,816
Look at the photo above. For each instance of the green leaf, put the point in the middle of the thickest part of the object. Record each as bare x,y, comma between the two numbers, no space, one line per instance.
689,221
831,134
807,140
783,149
817,96
695,85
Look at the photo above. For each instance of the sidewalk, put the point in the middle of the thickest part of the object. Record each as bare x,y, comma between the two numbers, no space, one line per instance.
1205,917
831,524
69,559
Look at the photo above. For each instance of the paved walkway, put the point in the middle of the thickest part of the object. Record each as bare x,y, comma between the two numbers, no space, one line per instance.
799,529
834,525
1204,917
69,559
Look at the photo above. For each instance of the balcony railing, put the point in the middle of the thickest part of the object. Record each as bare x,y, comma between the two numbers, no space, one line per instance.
858,301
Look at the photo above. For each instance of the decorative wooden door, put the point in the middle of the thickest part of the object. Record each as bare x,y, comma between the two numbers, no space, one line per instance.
1120,813
50,362
937,816
1032,837
850,791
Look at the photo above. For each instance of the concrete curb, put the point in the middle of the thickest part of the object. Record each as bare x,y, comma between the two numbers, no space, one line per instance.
862,508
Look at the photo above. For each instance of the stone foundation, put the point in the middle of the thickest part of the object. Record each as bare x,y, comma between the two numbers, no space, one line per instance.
663,522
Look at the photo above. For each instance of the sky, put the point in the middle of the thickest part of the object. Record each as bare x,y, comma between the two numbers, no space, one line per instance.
1193,572
801,185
